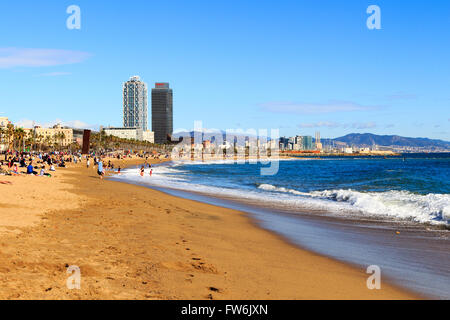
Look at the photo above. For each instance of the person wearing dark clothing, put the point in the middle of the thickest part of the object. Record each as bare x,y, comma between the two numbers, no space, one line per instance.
30,169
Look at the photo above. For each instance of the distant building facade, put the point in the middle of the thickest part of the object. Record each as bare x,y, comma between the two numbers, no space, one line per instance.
4,121
319,145
298,143
55,135
135,104
131,134
162,112
307,143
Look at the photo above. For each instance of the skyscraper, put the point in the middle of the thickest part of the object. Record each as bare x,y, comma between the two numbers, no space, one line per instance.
135,105
162,112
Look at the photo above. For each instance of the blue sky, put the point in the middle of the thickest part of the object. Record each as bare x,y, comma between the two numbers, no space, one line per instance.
301,66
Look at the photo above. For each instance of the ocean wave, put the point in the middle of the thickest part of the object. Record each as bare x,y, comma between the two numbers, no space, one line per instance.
430,208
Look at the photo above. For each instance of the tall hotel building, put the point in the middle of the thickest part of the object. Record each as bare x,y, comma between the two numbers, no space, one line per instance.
135,106
162,112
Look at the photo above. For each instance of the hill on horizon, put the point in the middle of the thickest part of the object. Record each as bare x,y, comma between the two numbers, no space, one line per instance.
369,139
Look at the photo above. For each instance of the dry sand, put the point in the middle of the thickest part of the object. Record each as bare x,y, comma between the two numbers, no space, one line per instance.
131,242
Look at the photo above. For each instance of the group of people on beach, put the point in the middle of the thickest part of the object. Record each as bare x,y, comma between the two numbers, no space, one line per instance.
34,163
44,164
143,169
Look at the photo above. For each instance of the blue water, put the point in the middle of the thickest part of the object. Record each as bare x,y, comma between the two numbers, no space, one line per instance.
413,188
364,201
422,175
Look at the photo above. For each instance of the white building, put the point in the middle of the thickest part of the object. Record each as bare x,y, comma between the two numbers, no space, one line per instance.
131,133
4,126
348,150
4,122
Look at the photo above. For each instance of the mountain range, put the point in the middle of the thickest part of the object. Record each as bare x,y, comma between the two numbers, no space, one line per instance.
368,140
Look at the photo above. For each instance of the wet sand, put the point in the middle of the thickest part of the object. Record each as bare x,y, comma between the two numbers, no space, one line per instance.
131,242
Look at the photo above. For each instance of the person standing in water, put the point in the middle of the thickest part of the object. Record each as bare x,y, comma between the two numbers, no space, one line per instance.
142,171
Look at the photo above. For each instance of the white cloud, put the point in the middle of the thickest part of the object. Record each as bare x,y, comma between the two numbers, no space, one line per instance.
331,124
366,125
311,108
320,125
29,57
25,123
78,124
55,74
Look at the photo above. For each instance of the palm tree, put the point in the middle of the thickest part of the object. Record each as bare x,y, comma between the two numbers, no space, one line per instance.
48,141
2,133
10,135
19,135
39,140
61,136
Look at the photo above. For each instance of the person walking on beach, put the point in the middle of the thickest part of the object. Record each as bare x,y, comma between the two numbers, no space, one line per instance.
100,169
88,163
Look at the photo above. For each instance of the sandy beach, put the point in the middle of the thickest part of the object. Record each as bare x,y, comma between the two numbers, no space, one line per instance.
132,242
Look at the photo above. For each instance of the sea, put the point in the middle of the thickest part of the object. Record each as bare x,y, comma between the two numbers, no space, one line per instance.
392,212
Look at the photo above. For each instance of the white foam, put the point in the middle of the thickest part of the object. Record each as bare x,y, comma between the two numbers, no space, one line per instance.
431,208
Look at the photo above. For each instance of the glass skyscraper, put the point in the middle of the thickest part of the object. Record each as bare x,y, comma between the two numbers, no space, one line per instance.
135,105
307,143
162,112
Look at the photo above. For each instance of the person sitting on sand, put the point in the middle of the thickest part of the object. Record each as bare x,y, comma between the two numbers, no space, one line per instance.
42,173
30,169
52,168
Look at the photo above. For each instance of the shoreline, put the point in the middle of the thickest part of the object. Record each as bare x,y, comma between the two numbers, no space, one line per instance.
254,221
251,213
389,242
132,242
